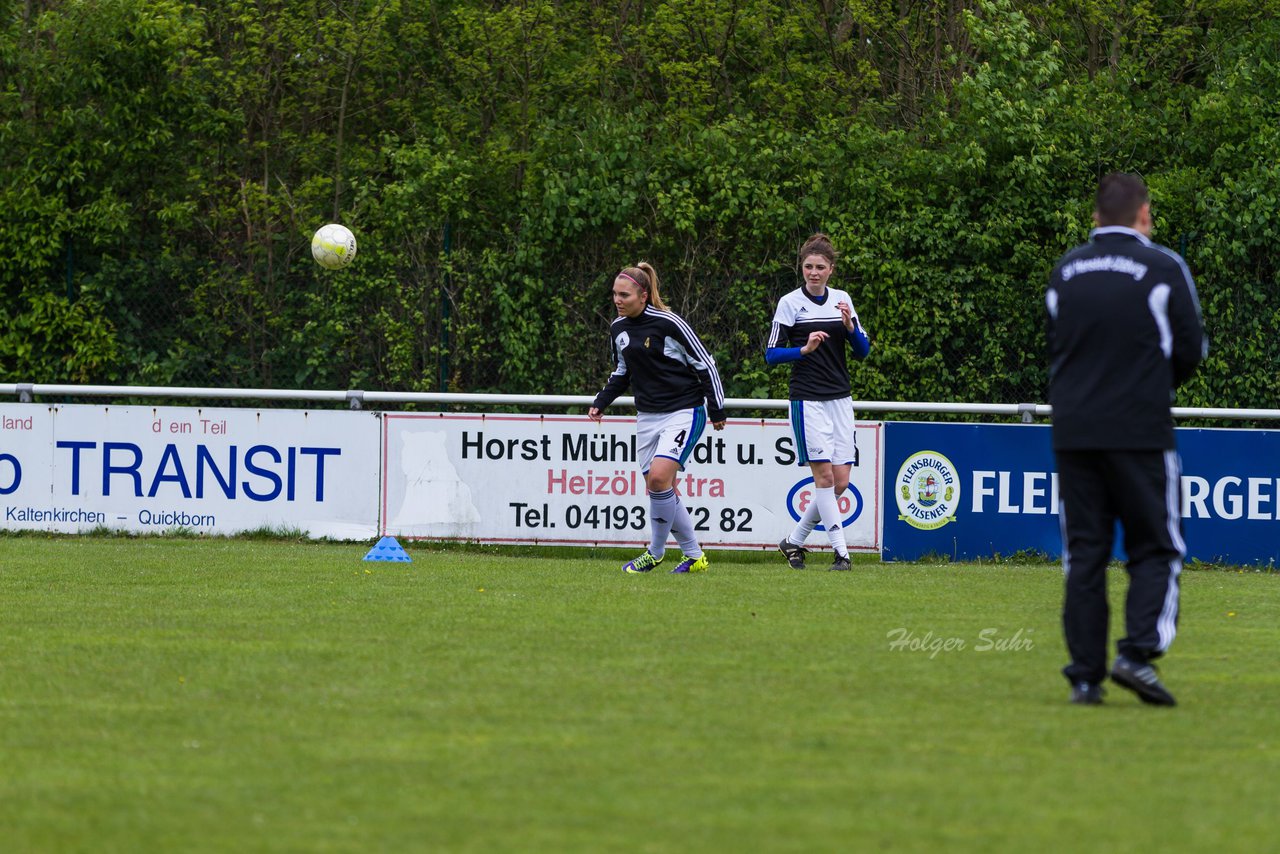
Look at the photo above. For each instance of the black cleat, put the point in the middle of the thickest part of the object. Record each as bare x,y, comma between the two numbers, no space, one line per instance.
1142,680
1086,694
841,563
793,553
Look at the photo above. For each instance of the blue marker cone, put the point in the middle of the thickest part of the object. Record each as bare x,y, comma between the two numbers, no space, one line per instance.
388,549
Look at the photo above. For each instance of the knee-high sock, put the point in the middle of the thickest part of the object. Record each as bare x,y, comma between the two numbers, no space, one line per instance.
662,513
808,522
682,529
805,526
829,510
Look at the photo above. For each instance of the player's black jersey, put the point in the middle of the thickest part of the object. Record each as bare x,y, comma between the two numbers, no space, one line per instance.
1124,330
663,361
824,373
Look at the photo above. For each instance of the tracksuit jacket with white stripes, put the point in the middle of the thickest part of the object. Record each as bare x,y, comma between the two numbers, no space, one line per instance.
1124,331
661,358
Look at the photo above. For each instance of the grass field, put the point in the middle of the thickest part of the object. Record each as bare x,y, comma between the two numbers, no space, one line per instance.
230,695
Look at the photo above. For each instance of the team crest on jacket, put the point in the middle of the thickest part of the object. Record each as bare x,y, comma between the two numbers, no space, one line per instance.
928,491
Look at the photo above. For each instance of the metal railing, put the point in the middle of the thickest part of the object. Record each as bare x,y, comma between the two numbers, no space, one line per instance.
357,399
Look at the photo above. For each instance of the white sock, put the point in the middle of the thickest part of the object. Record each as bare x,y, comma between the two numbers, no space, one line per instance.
829,510
805,526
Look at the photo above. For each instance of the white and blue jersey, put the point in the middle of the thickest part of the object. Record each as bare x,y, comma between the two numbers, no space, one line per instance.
822,418
824,373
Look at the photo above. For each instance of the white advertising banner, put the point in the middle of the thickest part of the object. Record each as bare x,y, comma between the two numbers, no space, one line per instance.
214,471
534,479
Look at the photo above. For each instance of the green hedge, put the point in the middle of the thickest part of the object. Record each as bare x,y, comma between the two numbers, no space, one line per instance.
164,163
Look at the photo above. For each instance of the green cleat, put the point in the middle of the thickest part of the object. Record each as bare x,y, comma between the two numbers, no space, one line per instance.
692,564
644,563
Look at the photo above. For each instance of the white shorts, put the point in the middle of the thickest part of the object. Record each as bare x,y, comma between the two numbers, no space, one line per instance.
668,434
824,431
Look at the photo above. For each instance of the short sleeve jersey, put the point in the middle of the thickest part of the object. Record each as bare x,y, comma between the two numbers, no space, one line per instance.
824,373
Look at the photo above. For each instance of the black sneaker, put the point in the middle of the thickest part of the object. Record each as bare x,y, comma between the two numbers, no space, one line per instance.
1086,694
841,563
1142,680
793,553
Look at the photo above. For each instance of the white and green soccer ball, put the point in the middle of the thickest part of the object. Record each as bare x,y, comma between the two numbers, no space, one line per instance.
333,246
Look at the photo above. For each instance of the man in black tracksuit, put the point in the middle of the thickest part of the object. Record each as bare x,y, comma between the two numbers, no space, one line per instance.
1124,331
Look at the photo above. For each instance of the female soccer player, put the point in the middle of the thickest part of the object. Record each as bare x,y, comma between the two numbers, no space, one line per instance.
810,329
661,358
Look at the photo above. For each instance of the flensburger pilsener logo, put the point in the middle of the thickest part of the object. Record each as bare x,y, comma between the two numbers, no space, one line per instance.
927,490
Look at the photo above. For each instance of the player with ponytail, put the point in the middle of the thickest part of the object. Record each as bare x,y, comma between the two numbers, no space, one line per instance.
677,390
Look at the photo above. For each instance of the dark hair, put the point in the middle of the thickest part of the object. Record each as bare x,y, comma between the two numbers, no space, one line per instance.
818,244
1120,197
646,279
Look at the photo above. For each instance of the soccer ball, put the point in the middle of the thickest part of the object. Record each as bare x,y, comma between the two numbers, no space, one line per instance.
333,246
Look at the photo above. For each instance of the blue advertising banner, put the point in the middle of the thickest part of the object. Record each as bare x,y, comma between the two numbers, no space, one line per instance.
1231,495
976,490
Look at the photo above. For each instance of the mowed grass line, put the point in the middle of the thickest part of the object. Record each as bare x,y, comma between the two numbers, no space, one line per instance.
267,696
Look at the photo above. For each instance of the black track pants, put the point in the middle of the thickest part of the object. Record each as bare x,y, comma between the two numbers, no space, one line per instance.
1140,489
